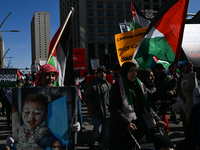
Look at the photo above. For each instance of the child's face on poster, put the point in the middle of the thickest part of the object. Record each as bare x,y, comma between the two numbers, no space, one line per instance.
33,114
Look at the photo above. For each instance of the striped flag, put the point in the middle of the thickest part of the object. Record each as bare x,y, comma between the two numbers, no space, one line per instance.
62,58
139,20
163,37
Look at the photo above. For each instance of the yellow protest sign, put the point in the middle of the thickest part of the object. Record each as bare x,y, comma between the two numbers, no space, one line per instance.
126,44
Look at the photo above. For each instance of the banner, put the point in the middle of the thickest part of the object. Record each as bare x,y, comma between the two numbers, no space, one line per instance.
126,44
38,112
8,77
79,61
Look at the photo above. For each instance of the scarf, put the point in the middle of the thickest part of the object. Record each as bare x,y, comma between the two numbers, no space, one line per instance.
128,108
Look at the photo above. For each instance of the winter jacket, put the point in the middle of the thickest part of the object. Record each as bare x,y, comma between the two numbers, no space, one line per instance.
119,137
97,97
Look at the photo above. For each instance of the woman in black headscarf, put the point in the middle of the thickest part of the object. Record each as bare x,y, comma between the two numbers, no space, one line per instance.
147,77
128,107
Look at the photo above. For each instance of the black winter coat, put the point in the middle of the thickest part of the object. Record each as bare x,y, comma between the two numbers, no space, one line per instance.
119,137
97,97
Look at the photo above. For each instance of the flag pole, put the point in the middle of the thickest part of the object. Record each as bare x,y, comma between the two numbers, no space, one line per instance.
63,27
180,38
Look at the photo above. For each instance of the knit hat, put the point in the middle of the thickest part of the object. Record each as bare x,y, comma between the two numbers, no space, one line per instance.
45,69
125,68
162,141
101,68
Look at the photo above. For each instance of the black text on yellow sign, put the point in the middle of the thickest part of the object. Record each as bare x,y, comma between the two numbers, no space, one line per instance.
126,44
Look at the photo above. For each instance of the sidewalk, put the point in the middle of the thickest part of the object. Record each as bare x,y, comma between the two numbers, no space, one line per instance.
176,131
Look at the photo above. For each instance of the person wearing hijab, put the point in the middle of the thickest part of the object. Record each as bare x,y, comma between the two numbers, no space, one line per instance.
130,111
29,82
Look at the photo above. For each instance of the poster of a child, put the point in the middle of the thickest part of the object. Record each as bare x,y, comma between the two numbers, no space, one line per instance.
38,110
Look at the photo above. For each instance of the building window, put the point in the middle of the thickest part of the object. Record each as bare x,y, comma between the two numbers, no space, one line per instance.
110,21
146,6
100,29
109,5
111,38
91,50
90,37
100,38
120,21
90,4
139,6
155,7
128,14
110,29
90,21
90,13
99,13
100,21
109,13
128,6
90,29
119,14
119,6
99,5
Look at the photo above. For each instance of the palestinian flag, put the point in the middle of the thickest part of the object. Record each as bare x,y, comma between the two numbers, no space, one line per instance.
163,37
164,63
139,20
19,74
62,58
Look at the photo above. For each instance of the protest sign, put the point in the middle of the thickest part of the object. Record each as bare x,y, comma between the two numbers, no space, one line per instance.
79,61
8,77
126,44
37,110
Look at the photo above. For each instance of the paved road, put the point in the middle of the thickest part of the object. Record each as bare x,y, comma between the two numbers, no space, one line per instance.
176,131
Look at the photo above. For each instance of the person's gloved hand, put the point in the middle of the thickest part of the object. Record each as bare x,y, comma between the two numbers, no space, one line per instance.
76,127
9,141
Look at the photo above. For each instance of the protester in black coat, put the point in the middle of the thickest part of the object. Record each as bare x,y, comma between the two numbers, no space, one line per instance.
128,104
147,77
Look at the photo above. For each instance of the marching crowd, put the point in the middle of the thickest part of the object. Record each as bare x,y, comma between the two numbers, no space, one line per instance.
133,107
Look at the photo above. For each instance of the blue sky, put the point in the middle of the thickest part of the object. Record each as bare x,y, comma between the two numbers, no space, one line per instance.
19,43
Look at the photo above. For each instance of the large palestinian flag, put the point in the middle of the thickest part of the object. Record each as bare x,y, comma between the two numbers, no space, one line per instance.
163,37
62,58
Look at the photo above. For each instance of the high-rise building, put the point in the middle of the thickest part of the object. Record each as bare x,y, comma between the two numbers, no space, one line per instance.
40,38
96,22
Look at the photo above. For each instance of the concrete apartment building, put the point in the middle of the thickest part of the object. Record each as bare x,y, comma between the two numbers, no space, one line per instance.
40,38
95,22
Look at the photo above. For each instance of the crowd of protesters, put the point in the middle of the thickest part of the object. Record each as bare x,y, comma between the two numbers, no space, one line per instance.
134,105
